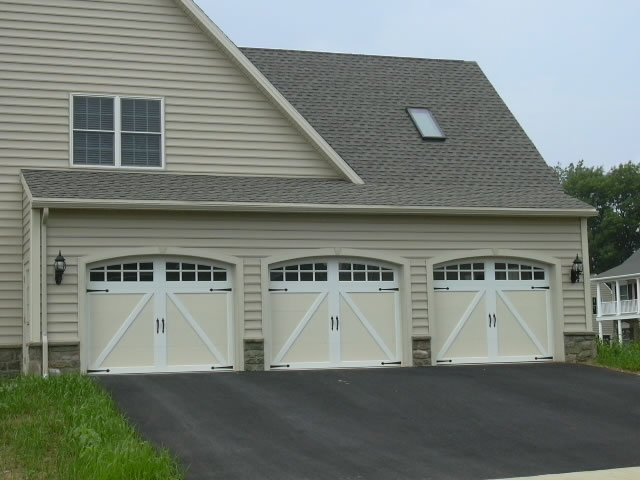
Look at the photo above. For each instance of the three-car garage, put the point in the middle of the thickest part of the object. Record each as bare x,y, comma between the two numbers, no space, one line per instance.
169,314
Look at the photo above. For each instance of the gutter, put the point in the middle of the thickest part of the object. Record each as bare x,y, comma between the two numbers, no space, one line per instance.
43,308
72,203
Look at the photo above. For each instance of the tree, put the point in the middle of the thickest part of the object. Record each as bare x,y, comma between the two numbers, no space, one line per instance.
615,233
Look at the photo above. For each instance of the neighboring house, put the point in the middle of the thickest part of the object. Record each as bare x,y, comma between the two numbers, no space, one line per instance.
616,298
222,208
606,295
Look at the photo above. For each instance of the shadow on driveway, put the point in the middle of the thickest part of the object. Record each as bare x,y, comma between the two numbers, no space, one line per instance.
464,422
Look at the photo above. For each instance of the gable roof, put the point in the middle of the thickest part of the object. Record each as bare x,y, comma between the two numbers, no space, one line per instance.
358,104
227,46
353,109
631,266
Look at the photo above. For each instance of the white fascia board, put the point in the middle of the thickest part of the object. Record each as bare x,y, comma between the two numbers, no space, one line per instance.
216,34
615,277
304,208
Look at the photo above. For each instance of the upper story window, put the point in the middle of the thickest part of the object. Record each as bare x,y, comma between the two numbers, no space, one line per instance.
426,123
117,131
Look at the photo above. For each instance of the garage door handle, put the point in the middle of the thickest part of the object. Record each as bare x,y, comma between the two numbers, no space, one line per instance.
494,320
157,326
163,325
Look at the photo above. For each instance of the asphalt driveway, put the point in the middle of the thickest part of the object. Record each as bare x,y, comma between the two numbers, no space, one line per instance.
465,422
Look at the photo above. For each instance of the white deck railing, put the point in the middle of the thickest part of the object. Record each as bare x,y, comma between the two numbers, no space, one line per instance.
611,308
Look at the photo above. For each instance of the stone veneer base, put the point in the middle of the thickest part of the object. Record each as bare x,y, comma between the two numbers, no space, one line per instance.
421,350
580,347
253,355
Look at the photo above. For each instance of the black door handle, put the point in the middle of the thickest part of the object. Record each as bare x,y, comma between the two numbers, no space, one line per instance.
337,323
163,325
489,320
494,319
332,324
157,326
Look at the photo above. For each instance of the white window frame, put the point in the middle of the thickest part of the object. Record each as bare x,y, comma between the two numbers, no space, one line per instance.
117,131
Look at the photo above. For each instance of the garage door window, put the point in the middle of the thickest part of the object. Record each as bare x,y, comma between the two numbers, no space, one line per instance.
304,272
360,272
192,272
516,271
461,271
123,272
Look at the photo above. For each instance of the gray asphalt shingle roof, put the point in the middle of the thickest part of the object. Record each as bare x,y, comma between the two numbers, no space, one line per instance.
630,266
106,185
358,104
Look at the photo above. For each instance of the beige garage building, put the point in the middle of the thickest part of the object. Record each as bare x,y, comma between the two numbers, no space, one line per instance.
226,209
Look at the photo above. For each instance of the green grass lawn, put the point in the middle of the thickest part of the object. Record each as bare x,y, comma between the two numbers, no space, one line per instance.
67,427
625,356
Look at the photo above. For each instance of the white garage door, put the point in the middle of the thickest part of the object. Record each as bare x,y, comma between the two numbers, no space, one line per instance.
159,315
334,313
492,311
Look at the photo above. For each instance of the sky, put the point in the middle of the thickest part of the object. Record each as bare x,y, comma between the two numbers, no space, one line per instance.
569,70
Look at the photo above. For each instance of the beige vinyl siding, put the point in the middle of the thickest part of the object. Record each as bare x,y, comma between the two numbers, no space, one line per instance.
216,120
252,237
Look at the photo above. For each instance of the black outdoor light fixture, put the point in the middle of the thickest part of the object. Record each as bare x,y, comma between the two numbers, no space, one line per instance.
576,270
59,265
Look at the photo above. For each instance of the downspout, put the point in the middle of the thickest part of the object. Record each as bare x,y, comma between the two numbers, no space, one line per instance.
43,281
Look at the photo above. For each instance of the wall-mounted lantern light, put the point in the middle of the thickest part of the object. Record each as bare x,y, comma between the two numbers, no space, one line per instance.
59,265
576,270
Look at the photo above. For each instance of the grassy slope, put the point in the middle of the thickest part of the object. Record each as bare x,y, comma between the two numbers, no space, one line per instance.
625,356
67,427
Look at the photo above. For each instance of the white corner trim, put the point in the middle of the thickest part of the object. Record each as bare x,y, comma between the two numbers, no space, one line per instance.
25,187
210,28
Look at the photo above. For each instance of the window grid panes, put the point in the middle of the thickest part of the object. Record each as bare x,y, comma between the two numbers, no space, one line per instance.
123,272
516,271
101,137
360,272
141,132
304,272
194,272
93,131
461,271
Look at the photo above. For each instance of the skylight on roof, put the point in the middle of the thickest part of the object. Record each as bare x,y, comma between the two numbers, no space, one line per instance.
425,122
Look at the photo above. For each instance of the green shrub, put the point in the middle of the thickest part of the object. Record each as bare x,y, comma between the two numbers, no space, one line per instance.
68,427
615,354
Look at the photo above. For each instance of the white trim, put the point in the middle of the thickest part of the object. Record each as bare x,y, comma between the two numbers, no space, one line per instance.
300,207
460,325
523,324
117,132
586,274
196,328
272,93
298,330
354,308
616,277
123,329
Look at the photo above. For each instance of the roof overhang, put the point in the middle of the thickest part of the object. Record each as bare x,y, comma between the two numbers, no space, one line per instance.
73,203
615,277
